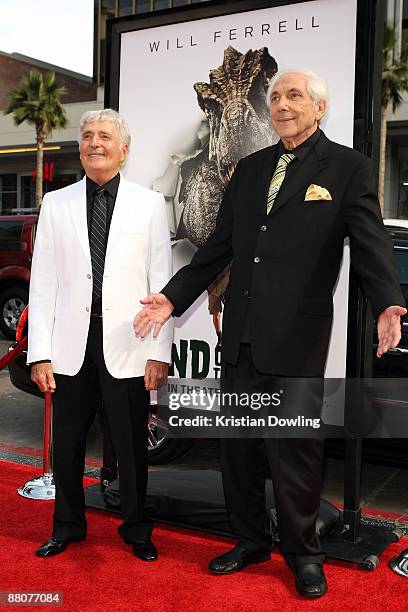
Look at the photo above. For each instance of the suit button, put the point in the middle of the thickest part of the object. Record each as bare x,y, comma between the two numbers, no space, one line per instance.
257,259
246,292
263,228
87,308
89,276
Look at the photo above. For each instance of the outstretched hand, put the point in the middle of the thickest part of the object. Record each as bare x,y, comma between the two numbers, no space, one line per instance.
389,328
157,310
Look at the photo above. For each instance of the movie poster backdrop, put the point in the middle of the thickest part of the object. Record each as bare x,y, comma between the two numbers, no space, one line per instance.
193,94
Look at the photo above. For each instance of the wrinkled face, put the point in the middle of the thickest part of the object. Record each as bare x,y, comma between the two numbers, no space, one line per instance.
294,114
100,151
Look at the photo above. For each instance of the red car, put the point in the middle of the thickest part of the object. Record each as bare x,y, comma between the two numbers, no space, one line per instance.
17,233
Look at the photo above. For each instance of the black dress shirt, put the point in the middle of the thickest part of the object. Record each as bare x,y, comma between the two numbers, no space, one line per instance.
111,191
300,153
111,188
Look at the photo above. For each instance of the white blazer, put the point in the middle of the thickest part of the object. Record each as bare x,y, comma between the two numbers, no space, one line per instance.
138,261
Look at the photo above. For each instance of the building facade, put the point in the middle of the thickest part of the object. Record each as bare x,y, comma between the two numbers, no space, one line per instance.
17,144
396,171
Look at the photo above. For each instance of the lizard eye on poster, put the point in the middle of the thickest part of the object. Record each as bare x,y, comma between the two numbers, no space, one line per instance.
193,94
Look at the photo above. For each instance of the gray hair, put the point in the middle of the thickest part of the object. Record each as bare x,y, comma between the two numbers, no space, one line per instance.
110,115
316,86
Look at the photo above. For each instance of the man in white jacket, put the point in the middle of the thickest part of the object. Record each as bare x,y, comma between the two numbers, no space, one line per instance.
101,245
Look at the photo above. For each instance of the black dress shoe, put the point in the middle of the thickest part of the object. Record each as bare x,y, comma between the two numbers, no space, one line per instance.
145,550
236,559
310,580
55,546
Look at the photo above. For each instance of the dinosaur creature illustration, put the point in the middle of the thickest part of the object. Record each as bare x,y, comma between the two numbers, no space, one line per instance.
238,124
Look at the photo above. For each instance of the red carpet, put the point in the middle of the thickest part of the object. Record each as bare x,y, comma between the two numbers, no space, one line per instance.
37,452
102,574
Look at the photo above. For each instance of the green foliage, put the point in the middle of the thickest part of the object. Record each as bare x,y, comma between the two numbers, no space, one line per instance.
394,71
38,101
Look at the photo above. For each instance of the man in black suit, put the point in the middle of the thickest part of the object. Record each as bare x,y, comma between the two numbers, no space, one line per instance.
282,221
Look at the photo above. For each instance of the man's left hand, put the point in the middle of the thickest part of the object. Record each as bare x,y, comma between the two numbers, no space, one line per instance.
389,328
156,373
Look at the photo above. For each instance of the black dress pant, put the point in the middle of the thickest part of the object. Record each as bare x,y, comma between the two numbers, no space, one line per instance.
296,466
126,403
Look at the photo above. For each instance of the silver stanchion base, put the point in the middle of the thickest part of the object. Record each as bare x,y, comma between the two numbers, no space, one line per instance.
41,487
400,564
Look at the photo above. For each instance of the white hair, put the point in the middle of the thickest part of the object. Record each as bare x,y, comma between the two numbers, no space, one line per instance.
316,86
110,115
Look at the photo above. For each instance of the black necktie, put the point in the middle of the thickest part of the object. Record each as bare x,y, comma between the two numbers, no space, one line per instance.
98,242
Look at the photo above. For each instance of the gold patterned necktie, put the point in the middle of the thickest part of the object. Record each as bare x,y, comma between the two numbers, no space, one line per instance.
277,179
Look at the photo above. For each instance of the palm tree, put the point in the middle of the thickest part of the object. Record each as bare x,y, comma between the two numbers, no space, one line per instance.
394,83
37,101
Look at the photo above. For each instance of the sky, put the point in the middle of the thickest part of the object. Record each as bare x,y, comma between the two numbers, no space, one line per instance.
56,31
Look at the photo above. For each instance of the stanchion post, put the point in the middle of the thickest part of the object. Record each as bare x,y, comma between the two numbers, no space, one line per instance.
41,487
47,444
352,490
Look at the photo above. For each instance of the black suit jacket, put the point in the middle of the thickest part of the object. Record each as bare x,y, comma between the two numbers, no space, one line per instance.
285,264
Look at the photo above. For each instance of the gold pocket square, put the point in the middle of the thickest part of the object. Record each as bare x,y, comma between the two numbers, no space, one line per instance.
315,192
